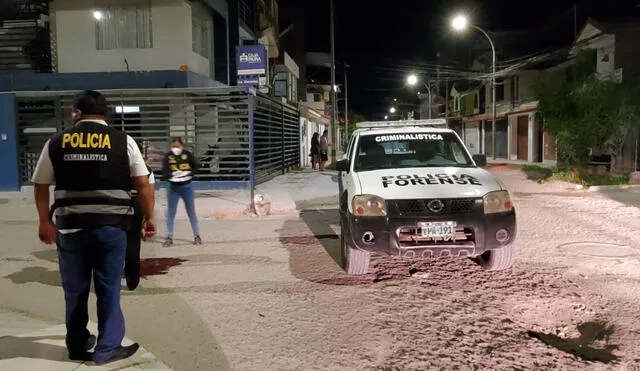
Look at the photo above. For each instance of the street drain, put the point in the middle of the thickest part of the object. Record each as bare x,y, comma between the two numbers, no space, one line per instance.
4,201
582,346
599,250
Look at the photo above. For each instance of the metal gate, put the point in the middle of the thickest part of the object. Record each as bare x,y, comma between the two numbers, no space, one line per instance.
215,123
276,138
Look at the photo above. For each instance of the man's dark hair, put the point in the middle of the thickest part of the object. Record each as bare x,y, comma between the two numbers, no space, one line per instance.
177,139
90,102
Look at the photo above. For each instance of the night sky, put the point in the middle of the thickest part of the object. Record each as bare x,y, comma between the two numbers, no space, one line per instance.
383,43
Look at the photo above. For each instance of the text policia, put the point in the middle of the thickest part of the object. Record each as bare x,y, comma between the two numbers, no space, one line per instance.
429,179
86,140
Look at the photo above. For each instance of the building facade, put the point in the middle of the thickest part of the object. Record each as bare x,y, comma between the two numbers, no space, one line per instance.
139,52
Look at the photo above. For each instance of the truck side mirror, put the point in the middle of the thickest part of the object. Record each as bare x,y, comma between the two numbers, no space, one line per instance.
342,165
480,160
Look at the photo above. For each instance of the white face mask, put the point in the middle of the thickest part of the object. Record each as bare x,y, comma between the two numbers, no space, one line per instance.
176,151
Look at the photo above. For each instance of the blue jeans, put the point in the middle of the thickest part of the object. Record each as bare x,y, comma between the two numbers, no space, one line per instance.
100,251
174,194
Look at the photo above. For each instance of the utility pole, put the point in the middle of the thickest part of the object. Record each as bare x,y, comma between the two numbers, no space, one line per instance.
575,21
334,129
346,103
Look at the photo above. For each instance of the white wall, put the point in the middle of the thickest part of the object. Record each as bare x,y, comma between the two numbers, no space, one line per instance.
526,81
171,32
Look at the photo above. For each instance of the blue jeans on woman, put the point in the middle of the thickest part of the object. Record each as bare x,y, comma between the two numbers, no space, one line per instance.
174,194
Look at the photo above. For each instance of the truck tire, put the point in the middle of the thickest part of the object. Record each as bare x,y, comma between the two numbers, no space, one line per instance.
498,259
356,262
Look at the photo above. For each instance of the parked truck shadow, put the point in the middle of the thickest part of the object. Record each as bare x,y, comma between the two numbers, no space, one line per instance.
313,242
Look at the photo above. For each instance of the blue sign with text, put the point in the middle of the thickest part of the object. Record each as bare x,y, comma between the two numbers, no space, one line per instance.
251,60
249,80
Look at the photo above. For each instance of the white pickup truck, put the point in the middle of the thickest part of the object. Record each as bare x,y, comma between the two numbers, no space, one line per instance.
413,190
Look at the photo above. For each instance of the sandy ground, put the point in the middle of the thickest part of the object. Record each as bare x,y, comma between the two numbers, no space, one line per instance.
268,294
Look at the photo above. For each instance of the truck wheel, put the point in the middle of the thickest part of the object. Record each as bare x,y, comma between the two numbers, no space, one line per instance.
356,262
498,259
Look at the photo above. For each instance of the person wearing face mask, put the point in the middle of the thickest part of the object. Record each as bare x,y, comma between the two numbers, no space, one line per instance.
94,167
179,167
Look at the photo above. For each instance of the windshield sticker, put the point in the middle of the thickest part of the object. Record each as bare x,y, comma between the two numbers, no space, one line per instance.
430,179
393,138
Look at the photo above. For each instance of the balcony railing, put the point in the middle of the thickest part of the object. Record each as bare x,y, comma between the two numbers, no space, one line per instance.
267,14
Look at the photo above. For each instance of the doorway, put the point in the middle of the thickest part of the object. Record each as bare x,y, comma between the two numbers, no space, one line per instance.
523,138
472,138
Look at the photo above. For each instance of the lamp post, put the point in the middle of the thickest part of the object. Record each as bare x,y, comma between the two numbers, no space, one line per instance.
334,100
460,23
413,80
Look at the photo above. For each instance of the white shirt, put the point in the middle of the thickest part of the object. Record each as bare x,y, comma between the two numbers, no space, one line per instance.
44,172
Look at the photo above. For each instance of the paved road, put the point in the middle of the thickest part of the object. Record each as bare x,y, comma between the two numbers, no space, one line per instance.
269,294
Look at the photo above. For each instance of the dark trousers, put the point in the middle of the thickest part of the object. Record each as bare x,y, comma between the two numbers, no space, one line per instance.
132,261
100,251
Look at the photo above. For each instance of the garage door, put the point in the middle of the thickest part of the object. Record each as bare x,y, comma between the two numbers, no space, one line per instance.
472,138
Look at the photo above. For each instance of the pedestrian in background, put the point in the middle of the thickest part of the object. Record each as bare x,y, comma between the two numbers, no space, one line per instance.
132,260
93,167
315,150
324,149
179,167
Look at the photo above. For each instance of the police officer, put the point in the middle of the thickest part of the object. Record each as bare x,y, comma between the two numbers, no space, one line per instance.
132,260
93,167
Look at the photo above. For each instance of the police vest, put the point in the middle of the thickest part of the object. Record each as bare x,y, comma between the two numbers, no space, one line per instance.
178,169
93,180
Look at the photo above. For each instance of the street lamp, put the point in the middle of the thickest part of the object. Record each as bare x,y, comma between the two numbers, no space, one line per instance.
386,117
460,23
413,80
392,110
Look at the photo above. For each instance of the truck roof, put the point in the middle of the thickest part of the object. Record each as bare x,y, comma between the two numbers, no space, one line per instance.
401,130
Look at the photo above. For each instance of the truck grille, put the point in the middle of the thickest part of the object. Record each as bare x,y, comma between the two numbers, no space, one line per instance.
409,236
419,207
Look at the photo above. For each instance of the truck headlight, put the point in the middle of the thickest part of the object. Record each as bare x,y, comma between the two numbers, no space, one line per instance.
369,205
497,202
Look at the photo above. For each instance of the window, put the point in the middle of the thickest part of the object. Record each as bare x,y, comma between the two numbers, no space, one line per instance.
201,30
405,150
124,27
280,85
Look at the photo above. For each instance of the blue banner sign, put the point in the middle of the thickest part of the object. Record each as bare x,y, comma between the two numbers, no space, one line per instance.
251,60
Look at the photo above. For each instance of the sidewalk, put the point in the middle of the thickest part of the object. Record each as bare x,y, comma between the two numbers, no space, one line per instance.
28,343
285,192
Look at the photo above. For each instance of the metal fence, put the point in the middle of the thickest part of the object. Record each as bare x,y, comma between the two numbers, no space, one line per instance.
276,134
239,139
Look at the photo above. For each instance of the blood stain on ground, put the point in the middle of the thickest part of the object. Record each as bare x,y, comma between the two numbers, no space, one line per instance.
158,266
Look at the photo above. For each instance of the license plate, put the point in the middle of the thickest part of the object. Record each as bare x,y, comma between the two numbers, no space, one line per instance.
444,230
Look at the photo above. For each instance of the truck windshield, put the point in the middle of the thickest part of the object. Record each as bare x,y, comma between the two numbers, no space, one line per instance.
390,151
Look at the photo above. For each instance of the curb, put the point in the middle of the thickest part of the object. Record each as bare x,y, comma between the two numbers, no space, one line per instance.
604,188
233,212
